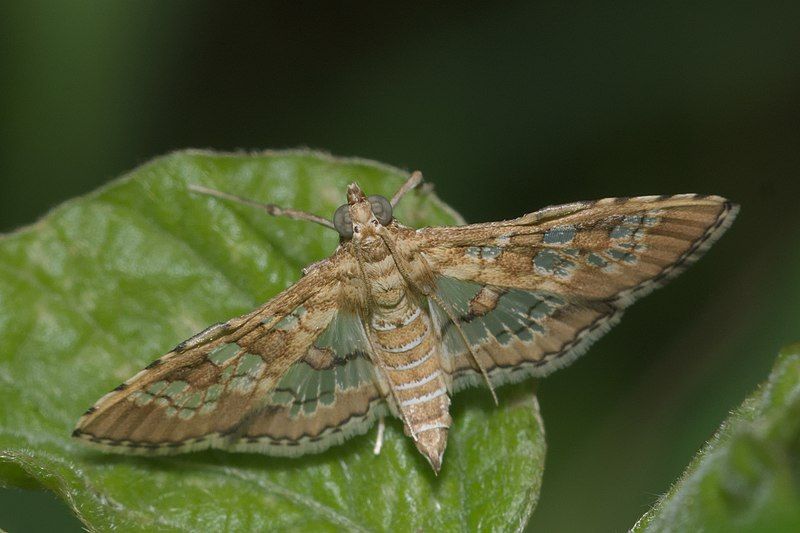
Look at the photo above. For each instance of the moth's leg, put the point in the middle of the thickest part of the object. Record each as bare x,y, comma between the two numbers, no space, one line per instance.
412,181
270,209
454,319
379,438
209,334
312,266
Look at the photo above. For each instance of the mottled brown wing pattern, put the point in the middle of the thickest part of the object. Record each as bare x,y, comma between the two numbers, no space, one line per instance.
533,293
215,389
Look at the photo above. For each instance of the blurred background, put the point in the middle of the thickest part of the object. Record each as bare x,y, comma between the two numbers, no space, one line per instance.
506,108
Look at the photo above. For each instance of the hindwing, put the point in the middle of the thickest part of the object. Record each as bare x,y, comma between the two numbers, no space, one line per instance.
328,395
514,333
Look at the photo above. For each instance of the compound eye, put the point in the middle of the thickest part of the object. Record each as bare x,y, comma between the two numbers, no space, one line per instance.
342,221
381,208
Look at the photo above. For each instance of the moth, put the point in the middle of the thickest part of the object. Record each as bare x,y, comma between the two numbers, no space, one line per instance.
398,319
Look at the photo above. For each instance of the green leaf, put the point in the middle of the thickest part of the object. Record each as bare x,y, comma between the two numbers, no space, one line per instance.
106,283
747,477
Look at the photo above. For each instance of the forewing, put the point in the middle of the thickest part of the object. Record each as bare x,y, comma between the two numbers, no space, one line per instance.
210,390
532,293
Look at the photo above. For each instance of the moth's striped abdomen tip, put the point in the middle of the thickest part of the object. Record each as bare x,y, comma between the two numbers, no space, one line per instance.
431,443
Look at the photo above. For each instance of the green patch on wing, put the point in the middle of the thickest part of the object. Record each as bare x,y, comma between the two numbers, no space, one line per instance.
107,282
747,478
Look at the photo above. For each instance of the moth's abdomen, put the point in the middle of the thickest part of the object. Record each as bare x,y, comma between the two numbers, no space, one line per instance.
409,353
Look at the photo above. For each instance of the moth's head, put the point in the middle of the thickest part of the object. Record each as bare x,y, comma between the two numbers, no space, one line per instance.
362,216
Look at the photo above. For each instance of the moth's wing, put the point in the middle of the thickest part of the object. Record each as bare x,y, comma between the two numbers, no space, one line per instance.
531,294
214,389
327,396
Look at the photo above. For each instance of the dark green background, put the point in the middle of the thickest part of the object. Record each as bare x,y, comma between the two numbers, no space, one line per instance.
506,108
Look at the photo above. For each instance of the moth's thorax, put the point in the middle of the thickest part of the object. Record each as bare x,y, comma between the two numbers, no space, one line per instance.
372,248
387,288
385,280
